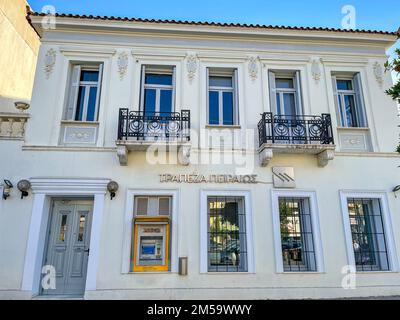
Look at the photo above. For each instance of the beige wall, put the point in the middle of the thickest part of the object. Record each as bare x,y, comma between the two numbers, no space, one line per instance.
19,46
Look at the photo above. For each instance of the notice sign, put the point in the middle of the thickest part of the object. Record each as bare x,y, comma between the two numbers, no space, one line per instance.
212,178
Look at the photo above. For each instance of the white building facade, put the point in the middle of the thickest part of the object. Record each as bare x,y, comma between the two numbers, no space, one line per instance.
251,162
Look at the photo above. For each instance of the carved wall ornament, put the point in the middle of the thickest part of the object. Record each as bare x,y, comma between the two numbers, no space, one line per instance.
316,70
123,63
378,72
49,62
191,65
252,67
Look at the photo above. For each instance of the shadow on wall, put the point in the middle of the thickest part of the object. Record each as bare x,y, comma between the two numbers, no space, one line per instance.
7,104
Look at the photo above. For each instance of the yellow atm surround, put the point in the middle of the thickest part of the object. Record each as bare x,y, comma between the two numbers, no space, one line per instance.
151,244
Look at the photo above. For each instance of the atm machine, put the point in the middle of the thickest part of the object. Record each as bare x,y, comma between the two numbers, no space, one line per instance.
150,249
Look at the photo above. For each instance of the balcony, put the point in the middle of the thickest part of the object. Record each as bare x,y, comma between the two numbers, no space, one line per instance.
137,130
296,134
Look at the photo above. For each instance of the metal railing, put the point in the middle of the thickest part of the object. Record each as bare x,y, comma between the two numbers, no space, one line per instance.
154,126
299,129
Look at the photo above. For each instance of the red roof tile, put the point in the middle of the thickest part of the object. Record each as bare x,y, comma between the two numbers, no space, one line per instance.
218,24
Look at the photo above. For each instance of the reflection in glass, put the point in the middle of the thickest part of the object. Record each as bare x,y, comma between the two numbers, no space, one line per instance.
92,104
289,104
90,75
80,104
63,228
350,108
227,250
82,224
220,82
149,102
368,234
283,83
213,107
166,101
228,108
344,84
296,235
160,79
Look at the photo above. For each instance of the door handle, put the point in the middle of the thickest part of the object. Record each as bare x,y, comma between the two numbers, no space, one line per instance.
87,250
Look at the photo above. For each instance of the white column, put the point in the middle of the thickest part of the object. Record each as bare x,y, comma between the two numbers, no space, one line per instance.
35,245
95,235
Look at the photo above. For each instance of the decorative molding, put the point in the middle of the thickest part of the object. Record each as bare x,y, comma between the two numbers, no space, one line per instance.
49,62
86,51
83,148
265,156
122,153
123,62
252,67
78,133
12,125
325,156
354,140
184,155
191,65
68,186
316,69
378,72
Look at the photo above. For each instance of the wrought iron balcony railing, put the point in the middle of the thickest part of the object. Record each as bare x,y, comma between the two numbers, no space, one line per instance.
295,129
154,126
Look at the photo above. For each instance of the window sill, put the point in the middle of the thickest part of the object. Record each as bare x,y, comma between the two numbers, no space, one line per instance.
353,128
221,126
302,272
376,272
225,273
94,123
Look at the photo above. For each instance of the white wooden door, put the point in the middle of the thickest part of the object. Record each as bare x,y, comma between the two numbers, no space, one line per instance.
68,246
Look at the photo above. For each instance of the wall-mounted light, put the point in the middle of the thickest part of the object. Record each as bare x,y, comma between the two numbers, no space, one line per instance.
7,189
23,186
395,189
112,187
21,106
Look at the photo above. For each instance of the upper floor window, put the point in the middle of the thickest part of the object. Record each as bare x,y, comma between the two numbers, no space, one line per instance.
285,93
222,96
349,101
158,89
84,92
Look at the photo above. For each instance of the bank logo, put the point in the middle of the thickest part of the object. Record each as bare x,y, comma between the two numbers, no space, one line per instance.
283,177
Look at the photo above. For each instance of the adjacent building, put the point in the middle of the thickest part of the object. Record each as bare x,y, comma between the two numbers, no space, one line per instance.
187,160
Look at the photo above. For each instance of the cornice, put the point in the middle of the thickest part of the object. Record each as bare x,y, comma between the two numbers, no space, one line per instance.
110,25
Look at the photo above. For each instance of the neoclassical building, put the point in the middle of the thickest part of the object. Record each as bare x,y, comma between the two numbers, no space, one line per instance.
186,160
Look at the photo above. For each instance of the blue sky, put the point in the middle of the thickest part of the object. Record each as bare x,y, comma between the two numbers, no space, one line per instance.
370,14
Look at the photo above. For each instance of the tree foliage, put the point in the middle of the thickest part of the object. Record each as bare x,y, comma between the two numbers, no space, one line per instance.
394,65
394,91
